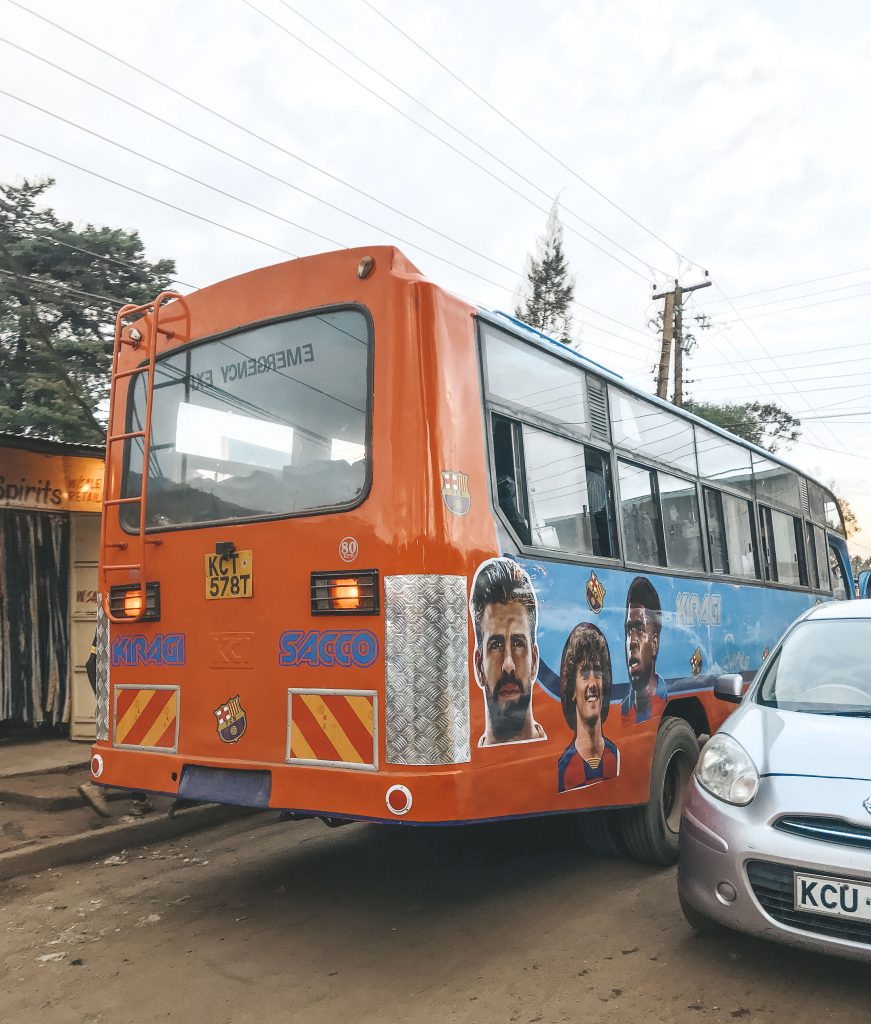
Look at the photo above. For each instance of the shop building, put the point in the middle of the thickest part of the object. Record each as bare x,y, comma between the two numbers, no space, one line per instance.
51,496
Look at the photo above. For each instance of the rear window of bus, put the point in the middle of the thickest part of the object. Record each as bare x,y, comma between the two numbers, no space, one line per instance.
269,421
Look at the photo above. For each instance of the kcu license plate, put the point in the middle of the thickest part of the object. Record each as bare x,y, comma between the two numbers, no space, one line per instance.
230,575
835,897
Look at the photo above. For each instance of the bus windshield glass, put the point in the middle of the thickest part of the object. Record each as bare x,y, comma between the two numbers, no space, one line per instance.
269,421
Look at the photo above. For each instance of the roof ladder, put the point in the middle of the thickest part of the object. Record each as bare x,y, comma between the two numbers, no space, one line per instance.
144,334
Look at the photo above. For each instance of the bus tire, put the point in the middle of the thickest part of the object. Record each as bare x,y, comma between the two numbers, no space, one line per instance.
650,832
601,833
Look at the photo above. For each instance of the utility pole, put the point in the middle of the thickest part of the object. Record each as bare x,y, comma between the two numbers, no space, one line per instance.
672,330
678,353
667,330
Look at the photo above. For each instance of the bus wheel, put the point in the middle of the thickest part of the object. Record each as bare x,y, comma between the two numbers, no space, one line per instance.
600,831
650,832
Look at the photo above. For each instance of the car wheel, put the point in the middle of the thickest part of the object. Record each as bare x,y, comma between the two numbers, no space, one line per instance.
650,832
697,920
601,832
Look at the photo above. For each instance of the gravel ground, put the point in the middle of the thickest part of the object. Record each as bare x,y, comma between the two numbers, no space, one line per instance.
296,922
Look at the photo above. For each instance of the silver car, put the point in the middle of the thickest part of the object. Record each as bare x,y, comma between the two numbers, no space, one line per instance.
775,836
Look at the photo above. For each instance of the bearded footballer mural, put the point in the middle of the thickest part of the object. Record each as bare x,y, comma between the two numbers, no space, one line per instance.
504,612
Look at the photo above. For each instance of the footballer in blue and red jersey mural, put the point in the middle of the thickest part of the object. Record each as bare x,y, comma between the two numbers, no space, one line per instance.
585,693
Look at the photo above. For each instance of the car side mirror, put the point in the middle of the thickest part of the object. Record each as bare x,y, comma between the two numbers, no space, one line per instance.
729,688
865,583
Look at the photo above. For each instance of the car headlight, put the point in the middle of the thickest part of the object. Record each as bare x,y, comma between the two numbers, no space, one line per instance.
727,772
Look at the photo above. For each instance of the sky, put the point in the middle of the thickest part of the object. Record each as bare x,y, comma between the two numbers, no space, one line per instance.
682,139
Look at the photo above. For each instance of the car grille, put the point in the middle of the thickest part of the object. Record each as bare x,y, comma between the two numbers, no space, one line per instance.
828,830
773,886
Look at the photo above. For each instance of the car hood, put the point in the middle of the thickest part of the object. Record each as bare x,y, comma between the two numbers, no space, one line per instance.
797,743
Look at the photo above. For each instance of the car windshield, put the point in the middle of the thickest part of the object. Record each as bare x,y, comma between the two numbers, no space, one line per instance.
821,668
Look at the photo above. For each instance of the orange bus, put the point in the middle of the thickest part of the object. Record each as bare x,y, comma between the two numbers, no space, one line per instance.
371,553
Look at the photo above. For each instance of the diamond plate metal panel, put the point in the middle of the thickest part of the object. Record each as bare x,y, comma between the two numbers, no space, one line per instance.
427,656
102,644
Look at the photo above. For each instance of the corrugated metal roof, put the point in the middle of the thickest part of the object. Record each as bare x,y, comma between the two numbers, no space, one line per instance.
49,446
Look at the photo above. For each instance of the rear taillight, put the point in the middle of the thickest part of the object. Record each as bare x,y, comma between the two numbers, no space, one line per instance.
345,593
125,602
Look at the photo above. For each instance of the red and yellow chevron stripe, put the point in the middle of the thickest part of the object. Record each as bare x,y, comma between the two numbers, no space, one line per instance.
332,727
146,717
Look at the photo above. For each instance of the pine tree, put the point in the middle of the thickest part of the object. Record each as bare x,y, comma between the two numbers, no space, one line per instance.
548,290
60,288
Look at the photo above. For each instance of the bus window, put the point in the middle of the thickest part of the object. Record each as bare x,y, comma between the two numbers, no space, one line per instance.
776,483
681,523
730,535
601,492
639,508
839,590
816,502
783,548
533,380
723,461
717,547
255,424
833,514
644,428
812,568
508,459
819,548
568,487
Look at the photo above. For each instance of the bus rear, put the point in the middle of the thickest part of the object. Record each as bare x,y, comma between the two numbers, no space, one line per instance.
288,535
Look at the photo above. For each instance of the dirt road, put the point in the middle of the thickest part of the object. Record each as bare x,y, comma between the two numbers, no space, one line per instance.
295,922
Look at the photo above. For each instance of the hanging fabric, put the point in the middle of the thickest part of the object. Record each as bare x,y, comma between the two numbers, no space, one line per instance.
34,617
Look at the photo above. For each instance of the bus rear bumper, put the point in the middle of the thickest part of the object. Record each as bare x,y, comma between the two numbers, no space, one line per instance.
419,795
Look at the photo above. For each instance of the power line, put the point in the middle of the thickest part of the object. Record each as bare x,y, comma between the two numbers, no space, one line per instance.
529,138
290,185
88,131
792,309
439,138
240,127
831,387
832,451
215,188
462,134
251,166
42,283
797,284
173,170
145,195
759,343
225,227
804,380
100,256
803,295
790,355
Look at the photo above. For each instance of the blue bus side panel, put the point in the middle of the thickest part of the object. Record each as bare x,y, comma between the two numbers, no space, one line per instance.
708,627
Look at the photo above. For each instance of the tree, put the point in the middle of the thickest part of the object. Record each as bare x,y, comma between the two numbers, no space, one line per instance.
60,289
765,424
548,289
851,523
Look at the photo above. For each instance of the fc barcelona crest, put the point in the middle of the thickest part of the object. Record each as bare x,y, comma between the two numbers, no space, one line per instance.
231,720
696,662
595,593
455,491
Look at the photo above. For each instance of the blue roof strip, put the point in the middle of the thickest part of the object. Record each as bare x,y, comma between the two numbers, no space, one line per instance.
553,341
